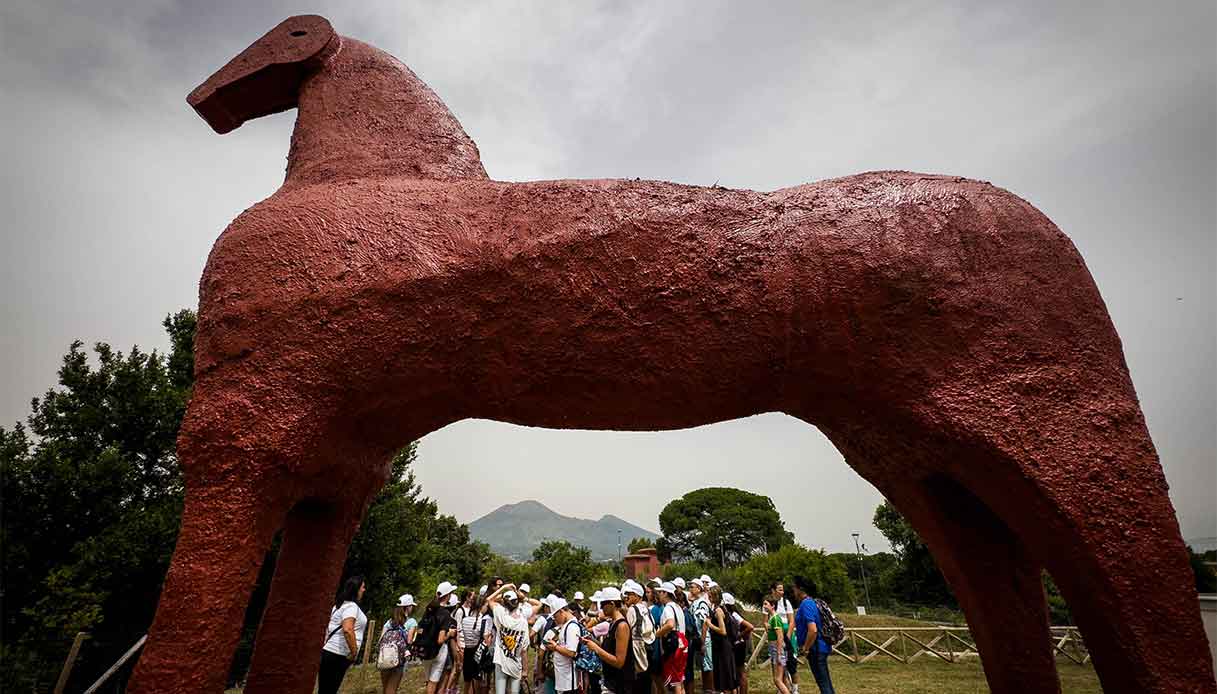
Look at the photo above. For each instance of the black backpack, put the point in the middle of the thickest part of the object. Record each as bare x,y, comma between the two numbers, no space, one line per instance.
433,624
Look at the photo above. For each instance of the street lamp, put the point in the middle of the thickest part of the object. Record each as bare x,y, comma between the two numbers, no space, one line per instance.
862,565
618,545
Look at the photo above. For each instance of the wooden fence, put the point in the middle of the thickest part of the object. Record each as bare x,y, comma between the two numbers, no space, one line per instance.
949,644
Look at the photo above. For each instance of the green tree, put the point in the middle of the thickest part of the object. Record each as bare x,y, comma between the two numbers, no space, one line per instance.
92,500
562,565
753,578
876,565
640,543
720,525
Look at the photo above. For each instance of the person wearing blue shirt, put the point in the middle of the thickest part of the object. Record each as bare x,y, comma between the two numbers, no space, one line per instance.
808,626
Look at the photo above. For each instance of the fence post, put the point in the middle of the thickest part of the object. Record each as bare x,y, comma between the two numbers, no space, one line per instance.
66,673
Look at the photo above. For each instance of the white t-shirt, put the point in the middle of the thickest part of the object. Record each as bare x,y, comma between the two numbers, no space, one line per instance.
564,667
784,610
526,610
675,614
539,625
510,641
337,641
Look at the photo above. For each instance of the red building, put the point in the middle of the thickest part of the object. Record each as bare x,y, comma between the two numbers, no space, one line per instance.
642,564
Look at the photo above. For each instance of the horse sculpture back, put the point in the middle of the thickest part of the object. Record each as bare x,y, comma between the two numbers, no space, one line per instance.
942,333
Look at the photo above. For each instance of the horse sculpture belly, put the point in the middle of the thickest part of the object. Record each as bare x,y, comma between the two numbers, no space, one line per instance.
941,332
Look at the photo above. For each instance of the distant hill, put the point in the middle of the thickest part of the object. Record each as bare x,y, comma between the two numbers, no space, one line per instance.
515,530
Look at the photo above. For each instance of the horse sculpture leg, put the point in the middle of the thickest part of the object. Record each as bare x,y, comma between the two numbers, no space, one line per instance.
315,542
226,531
997,582
1005,479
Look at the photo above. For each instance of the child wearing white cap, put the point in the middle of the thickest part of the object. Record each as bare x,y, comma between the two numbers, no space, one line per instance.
400,629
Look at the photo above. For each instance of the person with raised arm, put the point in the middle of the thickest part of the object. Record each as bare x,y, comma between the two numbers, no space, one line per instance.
511,638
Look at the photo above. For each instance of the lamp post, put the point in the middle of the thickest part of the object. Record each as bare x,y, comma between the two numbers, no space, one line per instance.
618,545
862,565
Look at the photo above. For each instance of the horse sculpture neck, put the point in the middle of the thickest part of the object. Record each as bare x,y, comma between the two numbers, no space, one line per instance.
363,114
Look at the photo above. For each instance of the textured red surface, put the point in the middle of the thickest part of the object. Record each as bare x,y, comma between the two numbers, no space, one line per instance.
943,333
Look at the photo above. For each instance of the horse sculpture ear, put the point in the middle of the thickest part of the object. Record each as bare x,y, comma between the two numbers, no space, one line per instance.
265,78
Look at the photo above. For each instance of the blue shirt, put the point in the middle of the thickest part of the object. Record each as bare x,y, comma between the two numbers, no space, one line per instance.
809,613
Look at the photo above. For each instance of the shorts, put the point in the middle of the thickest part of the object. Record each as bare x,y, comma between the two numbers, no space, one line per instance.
775,657
469,666
436,666
674,663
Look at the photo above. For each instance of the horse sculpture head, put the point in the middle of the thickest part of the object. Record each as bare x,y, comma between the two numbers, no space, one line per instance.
266,77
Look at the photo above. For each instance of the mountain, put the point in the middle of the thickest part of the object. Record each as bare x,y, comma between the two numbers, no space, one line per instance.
515,530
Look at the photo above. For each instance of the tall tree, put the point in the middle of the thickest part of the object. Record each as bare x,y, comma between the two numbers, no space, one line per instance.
721,525
92,500
562,565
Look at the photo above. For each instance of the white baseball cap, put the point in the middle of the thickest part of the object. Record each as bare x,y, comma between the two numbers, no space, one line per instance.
711,584
679,582
556,603
452,600
483,589
525,588
706,580
406,600
668,587
728,599
578,595
610,594
510,595
656,581
444,588
632,586
697,582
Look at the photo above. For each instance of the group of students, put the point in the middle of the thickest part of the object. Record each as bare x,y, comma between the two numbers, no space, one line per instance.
665,636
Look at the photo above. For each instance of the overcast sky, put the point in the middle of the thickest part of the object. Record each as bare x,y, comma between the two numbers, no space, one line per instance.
113,190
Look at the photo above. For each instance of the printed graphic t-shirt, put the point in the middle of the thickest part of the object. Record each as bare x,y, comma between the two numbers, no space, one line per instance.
510,641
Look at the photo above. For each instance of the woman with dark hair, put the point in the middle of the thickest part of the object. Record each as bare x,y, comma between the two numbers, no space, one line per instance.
345,635
722,631
615,653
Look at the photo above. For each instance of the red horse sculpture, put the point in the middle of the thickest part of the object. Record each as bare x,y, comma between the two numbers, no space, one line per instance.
942,332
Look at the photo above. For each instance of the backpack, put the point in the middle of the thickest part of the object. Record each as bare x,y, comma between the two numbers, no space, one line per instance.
641,636
391,652
483,655
693,633
585,659
832,630
429,629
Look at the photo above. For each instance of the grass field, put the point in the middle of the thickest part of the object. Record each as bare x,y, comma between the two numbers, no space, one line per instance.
875,677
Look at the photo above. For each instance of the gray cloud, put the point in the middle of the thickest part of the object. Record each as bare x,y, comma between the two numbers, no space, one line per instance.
1106,119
